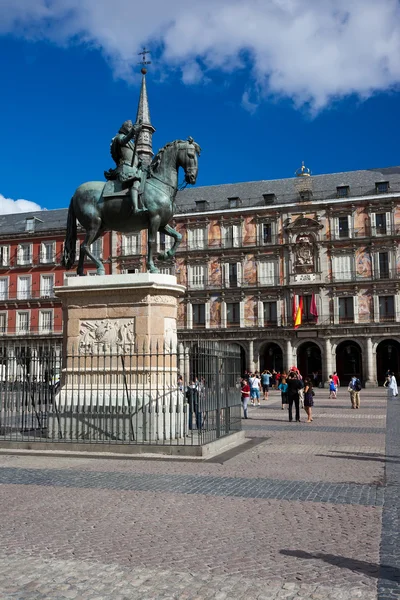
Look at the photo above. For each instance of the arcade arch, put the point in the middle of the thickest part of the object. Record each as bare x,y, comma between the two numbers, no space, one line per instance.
309,359
387,358
348,361
271,357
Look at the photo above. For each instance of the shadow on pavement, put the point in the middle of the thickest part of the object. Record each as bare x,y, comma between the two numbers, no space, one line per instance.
362,456
367,568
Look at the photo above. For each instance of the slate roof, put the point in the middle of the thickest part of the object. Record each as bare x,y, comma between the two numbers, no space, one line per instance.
361,183
46,220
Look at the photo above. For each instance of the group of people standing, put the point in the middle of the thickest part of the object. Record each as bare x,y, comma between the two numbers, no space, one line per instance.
294,391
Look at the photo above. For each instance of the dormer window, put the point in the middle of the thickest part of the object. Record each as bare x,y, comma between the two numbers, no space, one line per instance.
305,195
382,187
201,205
269,198
30,224
234,202
342,191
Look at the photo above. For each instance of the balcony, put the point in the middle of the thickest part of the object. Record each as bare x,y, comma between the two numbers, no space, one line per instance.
352,277
26,296
30,331
266,283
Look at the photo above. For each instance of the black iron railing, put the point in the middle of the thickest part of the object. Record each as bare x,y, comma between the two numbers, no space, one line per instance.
188,395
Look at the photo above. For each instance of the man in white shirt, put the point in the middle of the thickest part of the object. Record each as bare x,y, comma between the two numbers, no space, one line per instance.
255,389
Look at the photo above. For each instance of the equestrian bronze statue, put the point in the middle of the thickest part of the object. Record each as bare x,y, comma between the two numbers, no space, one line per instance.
133,198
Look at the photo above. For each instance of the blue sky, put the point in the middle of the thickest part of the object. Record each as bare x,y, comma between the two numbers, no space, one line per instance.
68,85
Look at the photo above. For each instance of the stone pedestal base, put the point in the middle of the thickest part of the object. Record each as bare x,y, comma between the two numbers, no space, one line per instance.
120,359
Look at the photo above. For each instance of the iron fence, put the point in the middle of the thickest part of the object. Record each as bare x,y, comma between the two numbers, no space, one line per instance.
183,395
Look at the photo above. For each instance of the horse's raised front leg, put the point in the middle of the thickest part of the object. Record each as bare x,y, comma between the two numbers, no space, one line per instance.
91,236
151,241
168,230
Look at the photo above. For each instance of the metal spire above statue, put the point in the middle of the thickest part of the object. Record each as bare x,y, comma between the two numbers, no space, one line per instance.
139,192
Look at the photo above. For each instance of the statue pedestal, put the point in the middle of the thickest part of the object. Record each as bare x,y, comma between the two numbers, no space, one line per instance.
120,359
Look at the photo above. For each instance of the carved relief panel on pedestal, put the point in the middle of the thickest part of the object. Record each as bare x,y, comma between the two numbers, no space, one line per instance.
107,335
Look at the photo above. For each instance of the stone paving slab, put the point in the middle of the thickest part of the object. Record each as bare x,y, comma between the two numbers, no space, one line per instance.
82,529
335,493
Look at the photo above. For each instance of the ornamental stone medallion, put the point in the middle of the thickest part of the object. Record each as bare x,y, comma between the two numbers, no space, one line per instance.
107,335
170,334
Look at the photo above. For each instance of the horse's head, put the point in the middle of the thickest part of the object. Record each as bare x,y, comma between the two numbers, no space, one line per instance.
188,151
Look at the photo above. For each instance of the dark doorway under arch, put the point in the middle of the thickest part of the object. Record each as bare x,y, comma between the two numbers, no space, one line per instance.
309,359
272,358
348,361
387,358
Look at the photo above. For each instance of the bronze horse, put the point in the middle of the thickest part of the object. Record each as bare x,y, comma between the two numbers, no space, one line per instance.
98,214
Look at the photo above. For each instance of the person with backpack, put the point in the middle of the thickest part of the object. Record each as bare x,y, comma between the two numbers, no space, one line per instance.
354,389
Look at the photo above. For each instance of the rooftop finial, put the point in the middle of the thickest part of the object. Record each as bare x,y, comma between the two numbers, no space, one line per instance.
144,62
303,171
144,145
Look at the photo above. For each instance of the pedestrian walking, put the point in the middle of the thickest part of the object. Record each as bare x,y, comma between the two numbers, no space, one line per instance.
332,387
392,390
255,389
336,379
294,386
265,382
283,386
354,389
245,396
308,399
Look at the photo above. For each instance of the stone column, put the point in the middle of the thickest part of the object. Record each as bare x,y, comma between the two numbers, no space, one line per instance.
370,379
289,355
251,355
327,361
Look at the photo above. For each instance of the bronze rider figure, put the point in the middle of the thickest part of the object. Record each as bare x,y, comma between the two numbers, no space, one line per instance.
129,169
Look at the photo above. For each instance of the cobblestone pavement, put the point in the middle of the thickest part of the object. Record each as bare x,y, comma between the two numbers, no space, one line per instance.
297,516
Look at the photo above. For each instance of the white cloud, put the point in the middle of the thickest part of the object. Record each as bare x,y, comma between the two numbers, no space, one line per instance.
9,206
313,51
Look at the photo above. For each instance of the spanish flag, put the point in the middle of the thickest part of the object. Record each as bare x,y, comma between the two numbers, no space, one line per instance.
299,313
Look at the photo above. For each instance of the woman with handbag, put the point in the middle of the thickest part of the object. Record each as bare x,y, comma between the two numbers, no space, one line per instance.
308,398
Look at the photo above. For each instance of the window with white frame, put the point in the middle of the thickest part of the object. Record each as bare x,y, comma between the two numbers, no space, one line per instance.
346,309
24,287
270,313
342,227
233,274
47,252
342,267
130,244
199,315
166,271
45,321
24,254
47,286
4,256
386,309
68,275
23,322
97,248
381,223
3,288
164,242
197,276
3,322
231,237
30,224
266,233
384,265
233,313
196,238
267,271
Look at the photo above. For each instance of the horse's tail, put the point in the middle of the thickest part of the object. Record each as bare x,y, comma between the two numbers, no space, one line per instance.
69,253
